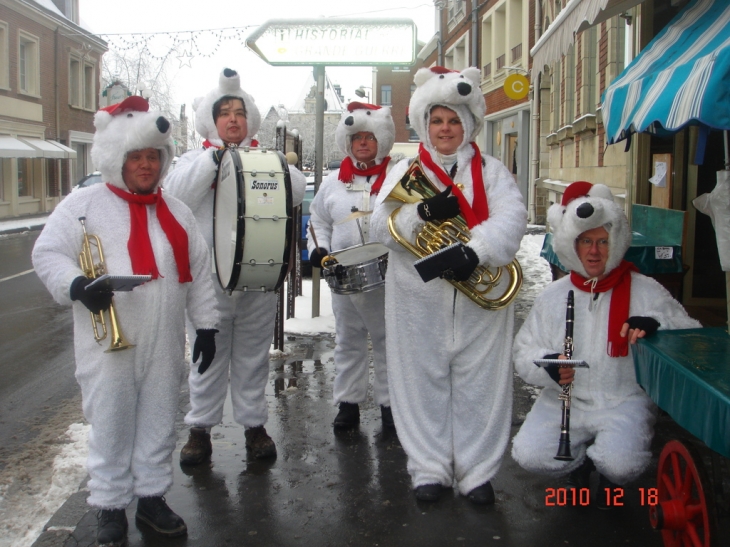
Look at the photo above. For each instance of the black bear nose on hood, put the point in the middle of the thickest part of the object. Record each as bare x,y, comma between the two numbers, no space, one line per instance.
463,88
584,210
349,120
162,124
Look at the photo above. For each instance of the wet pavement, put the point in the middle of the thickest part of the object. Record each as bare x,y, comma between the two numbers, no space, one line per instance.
327,488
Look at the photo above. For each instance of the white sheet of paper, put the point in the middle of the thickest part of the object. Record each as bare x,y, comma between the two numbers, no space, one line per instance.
660,174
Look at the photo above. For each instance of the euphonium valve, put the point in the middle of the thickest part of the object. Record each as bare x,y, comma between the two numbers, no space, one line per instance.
93,267
414,187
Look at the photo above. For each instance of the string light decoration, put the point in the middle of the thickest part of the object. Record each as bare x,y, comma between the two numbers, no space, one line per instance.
187,44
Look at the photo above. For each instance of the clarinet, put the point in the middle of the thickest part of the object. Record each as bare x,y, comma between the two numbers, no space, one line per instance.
564,443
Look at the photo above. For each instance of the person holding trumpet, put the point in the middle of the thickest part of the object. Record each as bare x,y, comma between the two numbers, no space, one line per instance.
448,357
611,417
130,392
365,134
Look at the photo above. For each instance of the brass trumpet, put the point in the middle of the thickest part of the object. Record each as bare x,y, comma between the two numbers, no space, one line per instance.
414,187
93,269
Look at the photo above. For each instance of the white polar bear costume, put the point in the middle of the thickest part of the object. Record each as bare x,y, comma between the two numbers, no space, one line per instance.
247,318
130,397
608,407
449,359
358,314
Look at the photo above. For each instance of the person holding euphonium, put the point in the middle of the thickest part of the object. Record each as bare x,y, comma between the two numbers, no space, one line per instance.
611,418
448,357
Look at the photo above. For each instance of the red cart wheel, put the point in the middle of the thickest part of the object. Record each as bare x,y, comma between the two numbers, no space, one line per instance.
684,512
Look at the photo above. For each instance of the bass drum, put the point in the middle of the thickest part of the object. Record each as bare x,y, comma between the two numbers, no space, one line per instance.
252,220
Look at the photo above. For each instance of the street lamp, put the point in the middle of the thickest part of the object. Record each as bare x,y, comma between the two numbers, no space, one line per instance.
360,92
144,91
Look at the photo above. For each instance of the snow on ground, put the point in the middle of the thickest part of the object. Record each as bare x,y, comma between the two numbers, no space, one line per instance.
30,494
27,223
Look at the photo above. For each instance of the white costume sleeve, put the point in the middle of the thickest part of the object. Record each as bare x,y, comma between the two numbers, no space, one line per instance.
407,222
650,299
541,334
298,185
191,179
497,239
56,252
320,217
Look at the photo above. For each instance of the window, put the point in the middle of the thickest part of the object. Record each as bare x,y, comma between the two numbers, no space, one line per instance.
456,9
569,103
386,93
81,88
588,94
28,64
25,177
2,180
4,61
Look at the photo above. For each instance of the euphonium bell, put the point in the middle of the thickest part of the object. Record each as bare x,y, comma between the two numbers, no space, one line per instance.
414,187
93,269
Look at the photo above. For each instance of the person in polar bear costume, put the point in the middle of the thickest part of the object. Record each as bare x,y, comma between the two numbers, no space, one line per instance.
365,134
448,359
612,418
130,396
228,117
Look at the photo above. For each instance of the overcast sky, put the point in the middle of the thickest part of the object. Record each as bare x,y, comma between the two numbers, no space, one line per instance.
269,85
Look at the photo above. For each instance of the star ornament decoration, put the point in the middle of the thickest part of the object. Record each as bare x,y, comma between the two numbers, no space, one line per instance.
185,59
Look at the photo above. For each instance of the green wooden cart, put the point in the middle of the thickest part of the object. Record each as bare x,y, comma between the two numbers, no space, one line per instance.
687,374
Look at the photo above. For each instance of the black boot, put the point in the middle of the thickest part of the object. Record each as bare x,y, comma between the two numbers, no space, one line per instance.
154,512
386,416
429,492
198,448
111,528
348,416
482,494
580,478
605,493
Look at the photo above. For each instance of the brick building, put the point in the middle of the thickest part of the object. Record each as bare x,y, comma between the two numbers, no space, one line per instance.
49,89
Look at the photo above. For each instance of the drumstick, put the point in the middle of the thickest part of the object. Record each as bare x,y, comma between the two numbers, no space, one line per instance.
314,237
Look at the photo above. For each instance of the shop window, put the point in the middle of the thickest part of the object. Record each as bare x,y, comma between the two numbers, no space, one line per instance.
25,178
386,95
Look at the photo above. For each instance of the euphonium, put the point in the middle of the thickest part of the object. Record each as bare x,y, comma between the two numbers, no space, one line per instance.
414,187
93,269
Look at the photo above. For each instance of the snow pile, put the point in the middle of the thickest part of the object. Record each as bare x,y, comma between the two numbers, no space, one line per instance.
303,323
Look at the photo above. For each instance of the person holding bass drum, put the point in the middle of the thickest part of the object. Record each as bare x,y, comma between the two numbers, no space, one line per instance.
365,134
227,117
449,357
611,417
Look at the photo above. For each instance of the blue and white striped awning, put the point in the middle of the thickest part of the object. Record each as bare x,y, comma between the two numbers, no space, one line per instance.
681,78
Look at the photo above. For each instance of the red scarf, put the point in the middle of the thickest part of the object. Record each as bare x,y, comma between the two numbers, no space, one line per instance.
620,281
477,212
348,172
139,244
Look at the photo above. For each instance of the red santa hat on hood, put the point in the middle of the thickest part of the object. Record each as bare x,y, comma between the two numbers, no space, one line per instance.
370,118
586,206
128,126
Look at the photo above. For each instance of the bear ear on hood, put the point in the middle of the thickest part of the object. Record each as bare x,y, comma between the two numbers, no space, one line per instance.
196,102
473,74
422,76
101,120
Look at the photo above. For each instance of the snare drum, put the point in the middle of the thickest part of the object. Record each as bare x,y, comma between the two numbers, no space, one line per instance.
356,269
252,220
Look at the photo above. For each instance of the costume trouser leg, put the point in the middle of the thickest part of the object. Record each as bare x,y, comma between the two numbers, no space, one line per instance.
355,316
253,332
208,391
536,443
622,439
481,396
131,409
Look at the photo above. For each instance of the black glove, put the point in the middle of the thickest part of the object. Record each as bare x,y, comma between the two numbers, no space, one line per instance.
440,207
218,154
95,299
463,271
553,370
647,324
316,256
205,345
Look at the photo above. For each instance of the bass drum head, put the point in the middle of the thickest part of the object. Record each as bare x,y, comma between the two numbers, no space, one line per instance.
226,225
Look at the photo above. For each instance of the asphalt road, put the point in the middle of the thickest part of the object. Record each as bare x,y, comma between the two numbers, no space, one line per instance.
36,349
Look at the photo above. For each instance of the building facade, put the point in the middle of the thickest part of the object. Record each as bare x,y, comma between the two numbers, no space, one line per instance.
49,89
